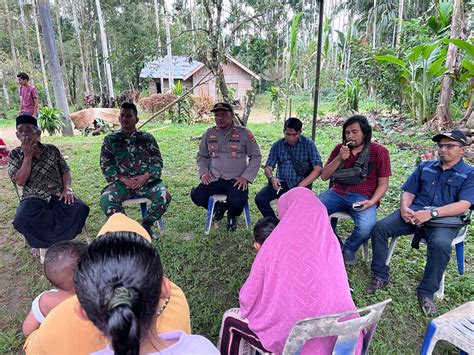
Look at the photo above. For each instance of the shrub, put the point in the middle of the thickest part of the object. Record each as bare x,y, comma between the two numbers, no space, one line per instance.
156,102
50,120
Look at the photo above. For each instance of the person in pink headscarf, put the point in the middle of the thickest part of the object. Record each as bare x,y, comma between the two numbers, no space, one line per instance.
298,273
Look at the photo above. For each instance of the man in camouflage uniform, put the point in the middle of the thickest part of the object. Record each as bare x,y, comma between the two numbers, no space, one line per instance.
223,166
131,163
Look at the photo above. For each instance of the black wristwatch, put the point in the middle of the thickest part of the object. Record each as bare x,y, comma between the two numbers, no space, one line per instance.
434,213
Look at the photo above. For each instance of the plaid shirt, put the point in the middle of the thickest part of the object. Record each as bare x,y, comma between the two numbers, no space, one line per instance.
303,150
379,166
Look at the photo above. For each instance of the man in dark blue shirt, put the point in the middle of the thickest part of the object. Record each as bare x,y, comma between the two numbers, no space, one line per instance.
439,188
298,164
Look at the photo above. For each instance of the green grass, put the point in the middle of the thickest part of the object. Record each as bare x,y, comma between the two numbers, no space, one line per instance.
211,269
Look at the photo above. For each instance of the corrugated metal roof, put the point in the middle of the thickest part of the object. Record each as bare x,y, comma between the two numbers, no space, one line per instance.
182,67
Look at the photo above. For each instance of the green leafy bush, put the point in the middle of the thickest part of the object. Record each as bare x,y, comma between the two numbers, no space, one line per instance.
50,120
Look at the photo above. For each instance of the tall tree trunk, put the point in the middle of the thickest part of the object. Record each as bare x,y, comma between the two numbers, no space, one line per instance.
25,30
374,23
5,91
40,51
105,49
168,46
61,49
399,24
443,111
158,39
58,84
77,29
99,75
10,34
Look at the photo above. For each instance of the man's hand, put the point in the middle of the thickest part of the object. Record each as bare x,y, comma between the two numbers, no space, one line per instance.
241,183
28,147
206,178
128,182
139,181
276,183
422,216
408,215
67,196
365,204
344,153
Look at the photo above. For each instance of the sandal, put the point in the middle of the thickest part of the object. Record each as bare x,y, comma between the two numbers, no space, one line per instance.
427,305
35,252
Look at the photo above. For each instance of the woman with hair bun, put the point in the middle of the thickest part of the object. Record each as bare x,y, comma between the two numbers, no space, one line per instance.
119,281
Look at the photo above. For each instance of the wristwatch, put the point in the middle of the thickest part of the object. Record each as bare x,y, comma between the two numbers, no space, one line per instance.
434,213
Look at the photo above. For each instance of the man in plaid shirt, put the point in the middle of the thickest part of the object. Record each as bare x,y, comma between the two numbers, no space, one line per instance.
361,200
293,148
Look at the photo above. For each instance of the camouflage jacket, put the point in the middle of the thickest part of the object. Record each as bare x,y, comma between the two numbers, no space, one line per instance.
124,155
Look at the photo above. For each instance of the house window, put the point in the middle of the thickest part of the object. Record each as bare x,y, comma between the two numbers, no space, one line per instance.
158,87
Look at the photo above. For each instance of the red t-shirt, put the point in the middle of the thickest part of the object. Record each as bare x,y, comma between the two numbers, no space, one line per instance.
379,166
28,94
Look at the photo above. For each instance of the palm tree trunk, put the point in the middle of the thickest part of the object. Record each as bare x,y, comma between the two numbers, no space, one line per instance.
40,51
5,91
399,24
61,50
25,30
77,29
105,49
55,69
168,46
443,111
10,34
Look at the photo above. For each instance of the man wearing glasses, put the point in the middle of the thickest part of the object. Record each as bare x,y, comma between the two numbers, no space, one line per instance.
437,188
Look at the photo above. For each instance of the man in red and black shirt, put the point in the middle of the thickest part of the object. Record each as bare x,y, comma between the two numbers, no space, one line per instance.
360,200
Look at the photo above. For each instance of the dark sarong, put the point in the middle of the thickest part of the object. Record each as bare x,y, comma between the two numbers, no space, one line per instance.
44,223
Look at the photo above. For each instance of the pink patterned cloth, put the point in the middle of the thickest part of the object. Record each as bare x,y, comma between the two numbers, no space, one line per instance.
298,273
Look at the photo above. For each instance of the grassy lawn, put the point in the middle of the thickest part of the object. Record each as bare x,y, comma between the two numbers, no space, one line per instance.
211,269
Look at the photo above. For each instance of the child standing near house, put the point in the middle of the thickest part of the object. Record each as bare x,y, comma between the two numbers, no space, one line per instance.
59,266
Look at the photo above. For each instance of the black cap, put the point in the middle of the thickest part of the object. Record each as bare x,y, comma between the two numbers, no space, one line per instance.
222,106
26,119
455,134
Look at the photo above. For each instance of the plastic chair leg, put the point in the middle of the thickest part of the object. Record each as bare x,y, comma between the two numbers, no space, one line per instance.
210,212
391,248
440,293
365,250
143,209
247,215
460,257
429,343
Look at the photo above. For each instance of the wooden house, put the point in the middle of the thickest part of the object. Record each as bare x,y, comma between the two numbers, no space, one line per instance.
236,75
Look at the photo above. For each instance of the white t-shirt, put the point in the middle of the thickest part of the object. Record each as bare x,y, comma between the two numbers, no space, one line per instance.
185,344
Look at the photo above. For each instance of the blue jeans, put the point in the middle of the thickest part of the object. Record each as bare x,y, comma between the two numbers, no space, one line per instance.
438,252
363,220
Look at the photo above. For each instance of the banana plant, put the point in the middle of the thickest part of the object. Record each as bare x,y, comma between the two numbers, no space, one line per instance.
420,71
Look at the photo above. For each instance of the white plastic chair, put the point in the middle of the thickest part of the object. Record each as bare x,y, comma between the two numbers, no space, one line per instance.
458,243
143,201
210,211
347,331
455,326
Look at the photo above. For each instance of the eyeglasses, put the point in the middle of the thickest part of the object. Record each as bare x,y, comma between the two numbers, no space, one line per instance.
447,146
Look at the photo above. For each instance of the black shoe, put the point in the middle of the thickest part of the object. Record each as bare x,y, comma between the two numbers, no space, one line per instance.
350,257
231,223
147,227
427,305
219,211
376,284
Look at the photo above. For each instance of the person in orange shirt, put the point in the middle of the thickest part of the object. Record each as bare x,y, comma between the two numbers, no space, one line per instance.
64,332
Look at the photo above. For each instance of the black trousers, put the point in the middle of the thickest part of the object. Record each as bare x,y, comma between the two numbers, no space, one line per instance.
44,223
236,199
267,195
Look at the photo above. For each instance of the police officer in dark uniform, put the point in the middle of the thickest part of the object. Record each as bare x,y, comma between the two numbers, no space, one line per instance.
223,165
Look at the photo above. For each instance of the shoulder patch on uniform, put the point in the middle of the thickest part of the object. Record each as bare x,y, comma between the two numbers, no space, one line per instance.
252,137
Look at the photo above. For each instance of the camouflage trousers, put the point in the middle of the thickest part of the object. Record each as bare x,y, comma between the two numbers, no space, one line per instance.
114,194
